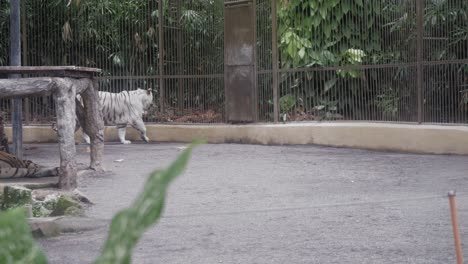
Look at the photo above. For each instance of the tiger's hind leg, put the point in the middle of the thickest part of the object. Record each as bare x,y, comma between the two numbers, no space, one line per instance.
140,126
122,131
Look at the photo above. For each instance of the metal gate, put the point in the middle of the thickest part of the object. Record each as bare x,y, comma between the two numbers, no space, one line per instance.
240,62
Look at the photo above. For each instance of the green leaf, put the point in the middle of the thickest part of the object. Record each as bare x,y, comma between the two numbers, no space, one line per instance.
292,50
287,102
327,30
301,53
323,12
316,21
17,245
330,83
345,6
128,225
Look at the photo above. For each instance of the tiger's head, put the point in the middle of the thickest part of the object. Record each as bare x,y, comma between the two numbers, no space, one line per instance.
146,97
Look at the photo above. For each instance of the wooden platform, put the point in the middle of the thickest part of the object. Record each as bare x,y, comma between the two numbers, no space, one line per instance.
63,83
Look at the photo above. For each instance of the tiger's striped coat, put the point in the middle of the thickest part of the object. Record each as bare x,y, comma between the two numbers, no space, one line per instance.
13,167
122,109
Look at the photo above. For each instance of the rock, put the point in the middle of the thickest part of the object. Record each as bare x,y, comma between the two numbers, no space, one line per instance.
44,202
28,210
16,196
44,227
40,194
74,211
79,196
57,203
50,201
63,203
53,226
39,210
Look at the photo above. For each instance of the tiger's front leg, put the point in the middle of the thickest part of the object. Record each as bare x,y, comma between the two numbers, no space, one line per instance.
122,131
140,126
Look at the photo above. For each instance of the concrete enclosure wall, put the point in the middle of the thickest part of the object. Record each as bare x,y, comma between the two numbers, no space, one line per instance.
377,136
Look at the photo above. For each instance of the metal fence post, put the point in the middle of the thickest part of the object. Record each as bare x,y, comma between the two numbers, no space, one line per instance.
15,60
255,62
274,42
24,46
161,55
420,56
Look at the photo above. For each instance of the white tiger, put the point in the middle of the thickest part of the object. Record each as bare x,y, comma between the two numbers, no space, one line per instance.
124,108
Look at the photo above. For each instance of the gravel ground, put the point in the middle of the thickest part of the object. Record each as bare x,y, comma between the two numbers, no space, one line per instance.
277,204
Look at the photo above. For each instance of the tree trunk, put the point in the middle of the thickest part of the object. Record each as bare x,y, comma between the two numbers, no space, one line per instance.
93,124
65,104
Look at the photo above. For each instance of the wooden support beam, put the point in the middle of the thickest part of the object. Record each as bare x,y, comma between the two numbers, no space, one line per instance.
65,105
93,124
39,86
26,86
64,91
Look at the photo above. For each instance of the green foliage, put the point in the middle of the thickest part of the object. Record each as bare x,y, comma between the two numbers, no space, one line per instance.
18,246
317,34
314,29
16,196
4,31
63,203
286,103
387,103
122,38
351,57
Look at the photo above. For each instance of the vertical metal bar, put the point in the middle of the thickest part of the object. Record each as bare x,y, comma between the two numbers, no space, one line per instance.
180,57
456,232
255,62
161,56
15,60
226,99
24,40
274,42
419,59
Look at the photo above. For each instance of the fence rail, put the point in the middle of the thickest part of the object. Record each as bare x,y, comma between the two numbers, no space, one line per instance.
374,60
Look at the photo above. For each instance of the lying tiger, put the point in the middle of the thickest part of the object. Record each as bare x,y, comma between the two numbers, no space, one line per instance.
122,109
13,167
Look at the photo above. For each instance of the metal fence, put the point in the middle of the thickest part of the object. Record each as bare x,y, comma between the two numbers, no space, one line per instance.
372,60
173,47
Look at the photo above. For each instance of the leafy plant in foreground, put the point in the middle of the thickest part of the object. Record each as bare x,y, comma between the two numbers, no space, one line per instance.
16,242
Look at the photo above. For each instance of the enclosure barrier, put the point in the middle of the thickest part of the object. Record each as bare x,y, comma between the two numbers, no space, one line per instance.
376,60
